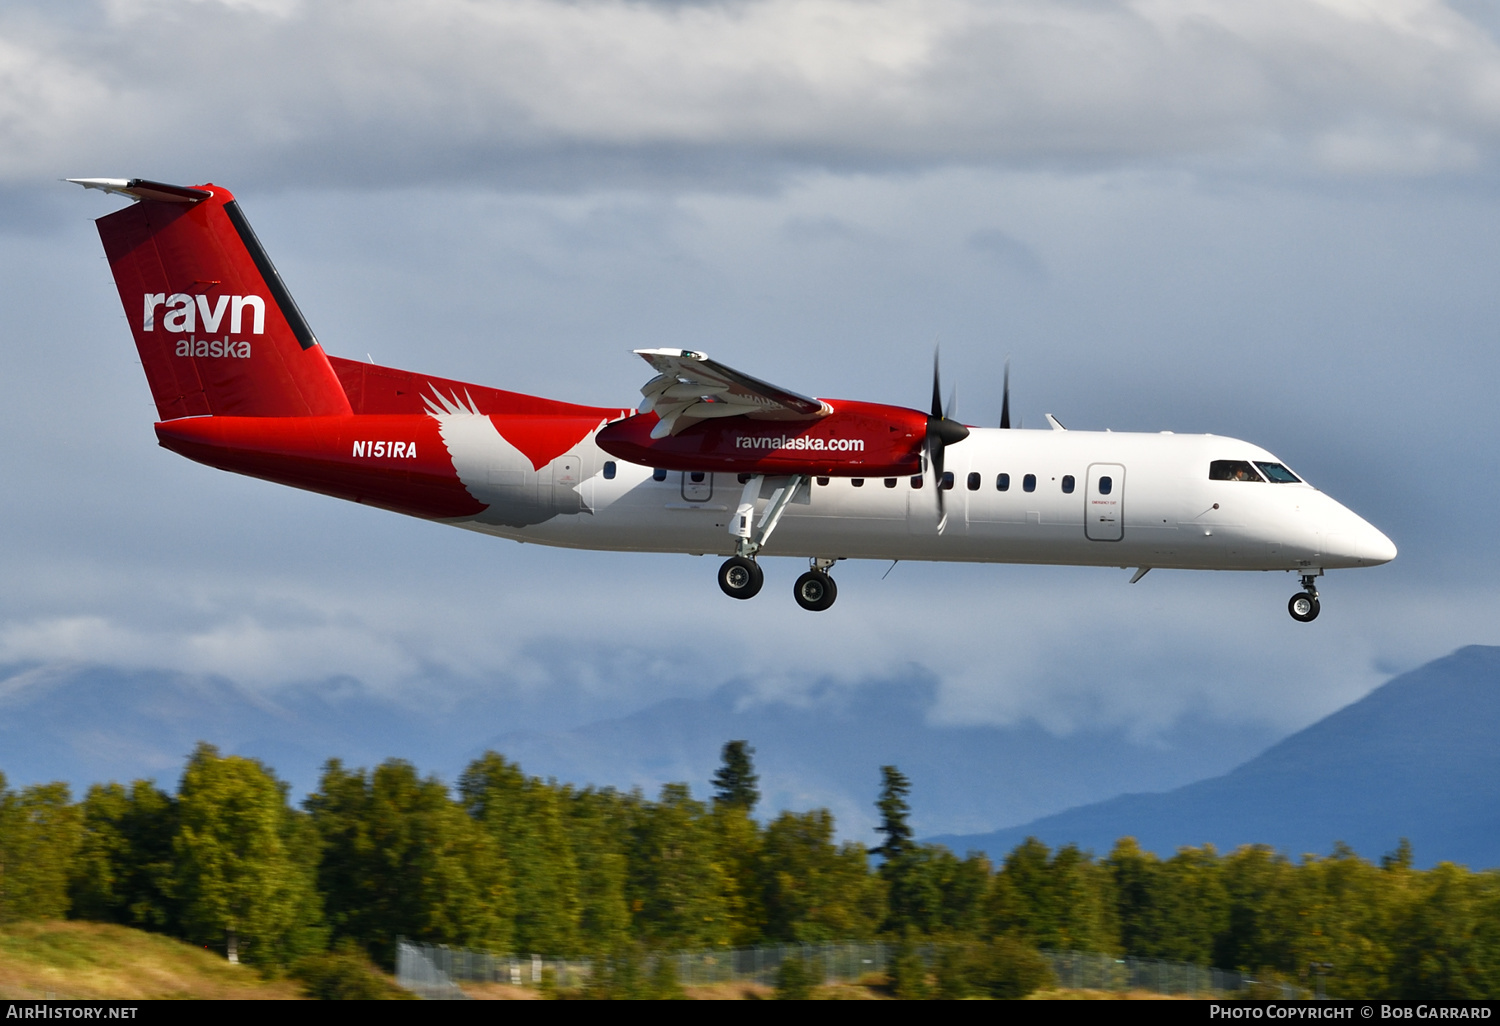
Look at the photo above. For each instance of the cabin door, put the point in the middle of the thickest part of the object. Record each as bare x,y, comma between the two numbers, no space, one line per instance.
1104,503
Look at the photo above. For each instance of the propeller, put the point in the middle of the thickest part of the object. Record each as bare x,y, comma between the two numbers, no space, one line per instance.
941,433
1005,401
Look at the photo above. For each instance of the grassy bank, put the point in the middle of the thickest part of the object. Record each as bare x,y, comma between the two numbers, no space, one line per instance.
69,960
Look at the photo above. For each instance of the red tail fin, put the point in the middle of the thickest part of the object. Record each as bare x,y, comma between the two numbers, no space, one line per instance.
216,329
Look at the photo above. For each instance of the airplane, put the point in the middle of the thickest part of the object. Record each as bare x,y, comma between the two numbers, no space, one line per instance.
711,461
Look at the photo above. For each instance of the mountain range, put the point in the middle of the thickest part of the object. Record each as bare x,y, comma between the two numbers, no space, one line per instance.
95,723
1415,758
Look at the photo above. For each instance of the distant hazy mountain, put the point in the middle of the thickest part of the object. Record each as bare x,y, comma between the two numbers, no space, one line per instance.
90,723
828,753
1418,758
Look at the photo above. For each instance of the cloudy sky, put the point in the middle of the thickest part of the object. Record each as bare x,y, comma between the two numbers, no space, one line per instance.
1277,221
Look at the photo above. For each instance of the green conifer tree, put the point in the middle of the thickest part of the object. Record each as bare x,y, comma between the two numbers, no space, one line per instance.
1401,858
738,841
735,780
894,811
912,894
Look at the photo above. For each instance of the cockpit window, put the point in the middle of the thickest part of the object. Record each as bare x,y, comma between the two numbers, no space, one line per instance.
1277,474
1232,470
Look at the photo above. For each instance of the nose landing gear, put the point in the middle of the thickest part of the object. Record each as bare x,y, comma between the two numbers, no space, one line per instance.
1304,605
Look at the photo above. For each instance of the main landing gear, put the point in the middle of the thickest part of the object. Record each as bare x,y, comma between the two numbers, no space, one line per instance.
1304,605
741,577
815,590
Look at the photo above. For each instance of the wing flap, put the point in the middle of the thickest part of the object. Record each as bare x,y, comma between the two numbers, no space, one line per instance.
690,387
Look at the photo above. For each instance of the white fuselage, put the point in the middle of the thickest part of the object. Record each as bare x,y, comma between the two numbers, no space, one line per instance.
1161,509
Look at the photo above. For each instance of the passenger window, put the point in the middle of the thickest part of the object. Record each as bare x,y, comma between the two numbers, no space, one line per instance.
973,482
947,480
1067,484
1106,485
857,482
823,481
696,477
890,482
1232,470
1028,483
916,482
609,470
1002,483
658,474
1277,474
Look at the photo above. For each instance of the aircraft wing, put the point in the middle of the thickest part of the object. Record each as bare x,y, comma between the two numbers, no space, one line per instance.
690,387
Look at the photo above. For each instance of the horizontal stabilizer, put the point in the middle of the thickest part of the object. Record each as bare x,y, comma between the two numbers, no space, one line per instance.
141,188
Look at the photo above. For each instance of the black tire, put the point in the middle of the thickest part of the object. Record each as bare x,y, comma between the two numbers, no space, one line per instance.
815,591
1303,607
741,578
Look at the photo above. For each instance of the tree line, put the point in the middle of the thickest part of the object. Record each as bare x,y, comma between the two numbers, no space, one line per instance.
514,863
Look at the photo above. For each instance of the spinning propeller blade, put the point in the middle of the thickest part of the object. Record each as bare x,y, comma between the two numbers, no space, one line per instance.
941,433
1005,401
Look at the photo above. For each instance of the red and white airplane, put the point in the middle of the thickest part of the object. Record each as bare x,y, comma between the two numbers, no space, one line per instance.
714,461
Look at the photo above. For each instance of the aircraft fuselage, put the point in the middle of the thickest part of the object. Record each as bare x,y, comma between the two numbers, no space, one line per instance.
1161,510
1168,513
716,461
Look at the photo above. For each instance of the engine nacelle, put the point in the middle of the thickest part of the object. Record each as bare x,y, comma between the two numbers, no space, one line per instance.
855,440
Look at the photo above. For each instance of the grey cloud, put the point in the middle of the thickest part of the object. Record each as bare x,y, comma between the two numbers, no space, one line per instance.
34,210
804,229
543,94
1300,308
1008,251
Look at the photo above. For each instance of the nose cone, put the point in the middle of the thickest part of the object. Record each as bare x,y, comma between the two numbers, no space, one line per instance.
1357,542
1382,549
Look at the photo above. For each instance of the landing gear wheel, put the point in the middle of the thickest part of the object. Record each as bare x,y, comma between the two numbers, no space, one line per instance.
1303,607
741,578
815,591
